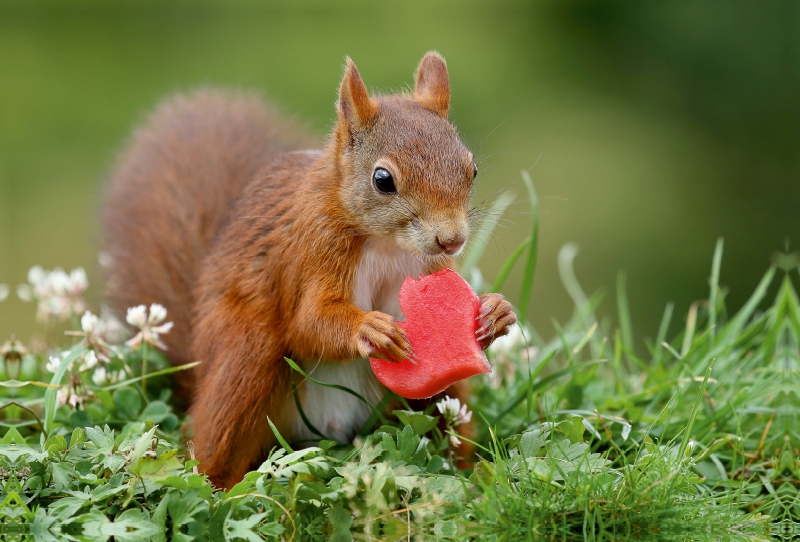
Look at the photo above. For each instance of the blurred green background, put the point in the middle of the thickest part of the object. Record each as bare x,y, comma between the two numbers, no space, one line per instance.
650,129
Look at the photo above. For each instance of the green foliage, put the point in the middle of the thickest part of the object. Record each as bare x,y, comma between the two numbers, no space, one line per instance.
578,438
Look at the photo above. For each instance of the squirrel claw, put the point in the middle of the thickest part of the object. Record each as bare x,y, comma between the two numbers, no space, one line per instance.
495,318
380,337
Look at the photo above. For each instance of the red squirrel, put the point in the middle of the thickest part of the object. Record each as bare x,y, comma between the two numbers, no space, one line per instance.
262,251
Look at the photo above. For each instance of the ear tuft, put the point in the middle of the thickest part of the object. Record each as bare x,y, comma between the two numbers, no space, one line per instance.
432,89
356,109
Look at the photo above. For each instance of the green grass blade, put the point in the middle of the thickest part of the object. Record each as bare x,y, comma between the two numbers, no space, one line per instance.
624,312
675,353
618,350
688,336
162,372
566,272
509,265
663,328
695,410
744,314
302,412
23,383
374,417
481,238
530,262
545,382
51,393
564,343
714,294
578,347
281,440
297,368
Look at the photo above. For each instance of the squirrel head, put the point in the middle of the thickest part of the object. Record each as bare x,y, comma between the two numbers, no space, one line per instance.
404,172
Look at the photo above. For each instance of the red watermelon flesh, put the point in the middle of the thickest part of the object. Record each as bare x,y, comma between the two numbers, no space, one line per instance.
441,311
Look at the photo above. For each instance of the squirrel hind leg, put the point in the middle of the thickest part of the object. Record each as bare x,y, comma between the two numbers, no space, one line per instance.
229,415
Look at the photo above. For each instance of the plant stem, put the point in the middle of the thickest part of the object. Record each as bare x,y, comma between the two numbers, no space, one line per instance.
144,369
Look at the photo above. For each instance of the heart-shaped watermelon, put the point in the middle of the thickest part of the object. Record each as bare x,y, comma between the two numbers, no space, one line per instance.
441,311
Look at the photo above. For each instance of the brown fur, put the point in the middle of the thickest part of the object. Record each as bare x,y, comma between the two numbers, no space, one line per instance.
204,213
172,190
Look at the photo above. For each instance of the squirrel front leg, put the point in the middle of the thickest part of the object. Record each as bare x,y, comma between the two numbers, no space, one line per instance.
332,328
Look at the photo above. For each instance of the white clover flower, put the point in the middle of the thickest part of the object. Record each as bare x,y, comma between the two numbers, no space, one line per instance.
78,281
25,292
89,322
137,316
36,275
157,314
74,393
453,412
506,352
66,395
3,291
104,377
89,361
455,442
54,363
505,345
151,327
59,282
63,396
110,328
58,294
100,376
93,340
449,407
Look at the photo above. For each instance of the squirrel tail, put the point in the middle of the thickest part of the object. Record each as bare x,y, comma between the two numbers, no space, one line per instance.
171,191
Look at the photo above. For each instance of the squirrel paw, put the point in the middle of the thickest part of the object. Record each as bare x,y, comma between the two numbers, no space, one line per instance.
380,337
494,320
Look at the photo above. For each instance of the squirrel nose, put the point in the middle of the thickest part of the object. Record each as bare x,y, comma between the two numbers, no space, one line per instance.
451,245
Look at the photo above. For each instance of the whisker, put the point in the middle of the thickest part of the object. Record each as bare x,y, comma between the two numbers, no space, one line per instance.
493,131
500,153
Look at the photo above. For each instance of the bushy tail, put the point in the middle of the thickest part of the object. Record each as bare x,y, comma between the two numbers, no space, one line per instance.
172,190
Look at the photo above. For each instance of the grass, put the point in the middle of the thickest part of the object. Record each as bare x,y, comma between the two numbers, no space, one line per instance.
586,436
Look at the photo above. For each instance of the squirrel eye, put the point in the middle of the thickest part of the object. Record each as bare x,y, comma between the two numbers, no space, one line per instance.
474,171
384,183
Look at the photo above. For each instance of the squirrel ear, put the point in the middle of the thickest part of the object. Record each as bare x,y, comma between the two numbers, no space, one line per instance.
356,108
432,89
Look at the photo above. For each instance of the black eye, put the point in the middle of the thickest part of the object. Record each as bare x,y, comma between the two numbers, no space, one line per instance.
383,181
474,170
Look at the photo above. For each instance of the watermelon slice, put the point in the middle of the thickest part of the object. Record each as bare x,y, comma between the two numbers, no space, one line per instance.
441,311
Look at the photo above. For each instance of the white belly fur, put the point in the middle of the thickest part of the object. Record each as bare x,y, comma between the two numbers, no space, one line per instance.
338,415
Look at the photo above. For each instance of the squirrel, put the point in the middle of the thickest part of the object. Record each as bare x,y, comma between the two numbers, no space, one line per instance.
262,250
